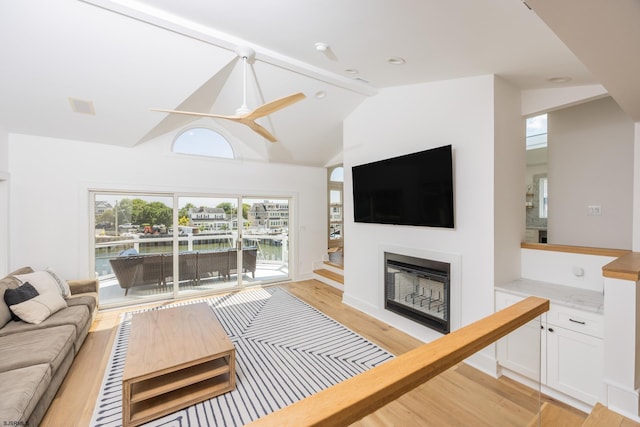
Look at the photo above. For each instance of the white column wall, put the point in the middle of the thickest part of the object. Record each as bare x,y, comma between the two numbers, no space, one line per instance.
4,203
509,182
622,346
636,187
407,119
51,178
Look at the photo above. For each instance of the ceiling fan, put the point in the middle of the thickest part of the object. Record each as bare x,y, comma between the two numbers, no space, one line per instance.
243,114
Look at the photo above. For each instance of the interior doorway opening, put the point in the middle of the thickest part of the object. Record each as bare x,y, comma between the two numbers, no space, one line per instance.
335,197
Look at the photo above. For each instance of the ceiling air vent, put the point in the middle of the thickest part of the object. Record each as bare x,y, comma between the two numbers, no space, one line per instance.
82,107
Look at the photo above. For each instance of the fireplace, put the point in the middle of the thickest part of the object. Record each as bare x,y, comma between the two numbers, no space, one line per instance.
418,289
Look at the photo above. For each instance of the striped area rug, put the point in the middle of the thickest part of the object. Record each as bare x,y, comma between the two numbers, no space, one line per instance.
286,350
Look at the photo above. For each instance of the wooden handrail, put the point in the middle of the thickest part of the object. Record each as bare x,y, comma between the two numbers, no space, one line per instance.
351,400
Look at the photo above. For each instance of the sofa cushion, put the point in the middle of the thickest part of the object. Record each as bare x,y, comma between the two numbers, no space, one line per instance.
76,316
90,300
9,282
21,390
48,345
45,281
37,309
13,297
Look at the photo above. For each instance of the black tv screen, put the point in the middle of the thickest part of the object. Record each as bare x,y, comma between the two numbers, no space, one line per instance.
414,189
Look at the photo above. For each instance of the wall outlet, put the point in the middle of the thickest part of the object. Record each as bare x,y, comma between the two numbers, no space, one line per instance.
594,210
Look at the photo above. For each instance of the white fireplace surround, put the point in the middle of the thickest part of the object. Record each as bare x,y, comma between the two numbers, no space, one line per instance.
411,326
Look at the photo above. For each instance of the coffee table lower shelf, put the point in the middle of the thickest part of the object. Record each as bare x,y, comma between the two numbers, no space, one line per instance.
153,396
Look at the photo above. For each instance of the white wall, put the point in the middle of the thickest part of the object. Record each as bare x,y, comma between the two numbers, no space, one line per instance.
4,151
411,118
591,163
636,187
561,268
51,178
4,203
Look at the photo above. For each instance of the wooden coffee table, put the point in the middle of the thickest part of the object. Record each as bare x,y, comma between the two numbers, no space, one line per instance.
176,357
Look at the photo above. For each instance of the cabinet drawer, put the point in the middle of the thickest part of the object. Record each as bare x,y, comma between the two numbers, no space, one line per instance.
576,320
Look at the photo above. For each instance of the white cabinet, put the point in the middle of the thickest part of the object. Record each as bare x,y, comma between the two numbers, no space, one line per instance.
520,350
575,353
563,350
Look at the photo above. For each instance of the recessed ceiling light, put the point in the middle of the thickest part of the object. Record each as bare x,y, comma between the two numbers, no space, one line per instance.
322,47
562,79
351,71
320,94
396,60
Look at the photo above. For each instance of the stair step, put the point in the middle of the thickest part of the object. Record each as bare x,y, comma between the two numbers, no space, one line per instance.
334,265
336,277
553,415
603,416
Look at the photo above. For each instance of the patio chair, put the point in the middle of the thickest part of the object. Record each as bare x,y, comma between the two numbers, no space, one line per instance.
187,264
249,256
212,264
135,270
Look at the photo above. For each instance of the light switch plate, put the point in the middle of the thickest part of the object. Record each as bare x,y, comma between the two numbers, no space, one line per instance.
594,210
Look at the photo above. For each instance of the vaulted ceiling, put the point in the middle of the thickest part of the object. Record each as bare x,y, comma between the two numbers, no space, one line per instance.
125,57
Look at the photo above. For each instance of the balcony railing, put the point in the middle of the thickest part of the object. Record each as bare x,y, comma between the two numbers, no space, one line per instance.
272,248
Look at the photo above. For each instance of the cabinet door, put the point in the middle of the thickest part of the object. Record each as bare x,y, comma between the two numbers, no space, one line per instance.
575,364
520,350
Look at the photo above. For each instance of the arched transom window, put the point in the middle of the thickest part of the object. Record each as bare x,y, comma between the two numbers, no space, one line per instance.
203,142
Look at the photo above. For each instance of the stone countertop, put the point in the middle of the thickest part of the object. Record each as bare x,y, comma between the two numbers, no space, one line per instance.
567,296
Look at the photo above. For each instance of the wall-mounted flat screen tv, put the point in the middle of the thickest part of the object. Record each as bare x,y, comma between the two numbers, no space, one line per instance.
414,189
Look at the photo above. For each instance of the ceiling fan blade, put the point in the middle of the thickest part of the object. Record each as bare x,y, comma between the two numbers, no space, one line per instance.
191,113
273,106
260,130
248,122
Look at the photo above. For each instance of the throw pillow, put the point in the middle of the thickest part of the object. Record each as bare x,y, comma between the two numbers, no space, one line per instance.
19,295
62,284
38,309
45,281
9,282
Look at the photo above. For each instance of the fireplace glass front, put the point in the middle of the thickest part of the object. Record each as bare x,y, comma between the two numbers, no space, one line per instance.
418,289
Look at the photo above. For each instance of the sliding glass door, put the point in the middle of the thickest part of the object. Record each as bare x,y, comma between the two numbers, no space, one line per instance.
208,236
159,246
132,240
265,239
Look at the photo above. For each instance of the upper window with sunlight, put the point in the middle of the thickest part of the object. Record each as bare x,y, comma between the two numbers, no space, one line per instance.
537,132
337,174
203,142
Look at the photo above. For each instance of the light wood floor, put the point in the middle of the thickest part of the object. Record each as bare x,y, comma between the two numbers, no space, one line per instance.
461,396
